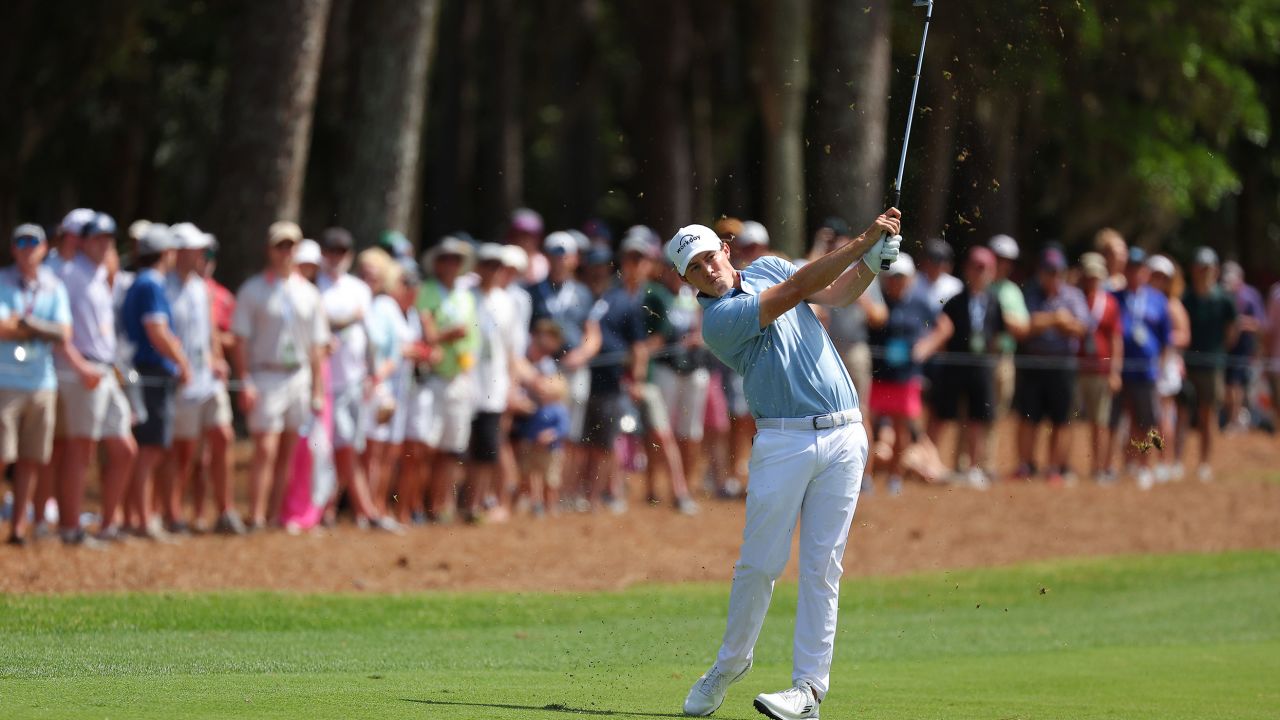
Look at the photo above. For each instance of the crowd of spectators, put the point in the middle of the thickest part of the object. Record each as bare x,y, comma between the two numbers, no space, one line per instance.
536,375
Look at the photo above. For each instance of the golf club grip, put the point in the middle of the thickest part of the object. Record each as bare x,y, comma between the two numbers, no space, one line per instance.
884,262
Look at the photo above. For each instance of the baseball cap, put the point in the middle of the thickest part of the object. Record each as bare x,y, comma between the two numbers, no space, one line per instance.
1093,265
73,222
1161,264
584,242
728,227
753,233
336,238
598,255
1053,259
187,236
396,244
137,229
282,231
1137,255
560,243
640,239
598,229
688,242
307,253
158,238
1005,247
982,256
28,230
514,256
490,252
1205,256
527,221
938,250
101,224
903,266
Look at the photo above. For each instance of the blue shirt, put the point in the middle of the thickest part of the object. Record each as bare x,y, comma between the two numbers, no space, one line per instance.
910,318
621,318
146,302
1144,319
568,304
789,369
43,299
1052,342
553,416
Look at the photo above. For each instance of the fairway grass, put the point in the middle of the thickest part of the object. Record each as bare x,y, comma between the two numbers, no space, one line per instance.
1187,636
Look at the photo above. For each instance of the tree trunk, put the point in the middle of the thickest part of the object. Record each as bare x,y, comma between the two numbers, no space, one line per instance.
783,81
270,96
392,42
850,110
939,151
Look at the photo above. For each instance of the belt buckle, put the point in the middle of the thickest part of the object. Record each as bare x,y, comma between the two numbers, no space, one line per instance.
818,418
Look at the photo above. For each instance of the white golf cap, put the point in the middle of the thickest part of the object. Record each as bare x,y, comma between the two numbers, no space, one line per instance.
640,239
560,243
75,221
187,236
1161,264
904,265
688,242
156,239
489,252
1005,247
514,256
753,233
307,253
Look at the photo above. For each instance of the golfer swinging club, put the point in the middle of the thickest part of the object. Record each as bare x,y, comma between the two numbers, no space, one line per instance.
809,452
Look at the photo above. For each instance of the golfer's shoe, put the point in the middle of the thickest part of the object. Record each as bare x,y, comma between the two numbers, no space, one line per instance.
790,704
707,694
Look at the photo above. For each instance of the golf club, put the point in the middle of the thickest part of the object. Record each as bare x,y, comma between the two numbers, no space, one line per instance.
911,112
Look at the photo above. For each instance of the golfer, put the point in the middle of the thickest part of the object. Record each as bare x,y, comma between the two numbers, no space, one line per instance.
809,452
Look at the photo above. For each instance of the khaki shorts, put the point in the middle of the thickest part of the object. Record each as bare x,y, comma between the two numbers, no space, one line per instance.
26,425
545,461
654,417
284,401
192,418
686,397
102,412
1208,387
1006,382
579,392
1095,399
440,413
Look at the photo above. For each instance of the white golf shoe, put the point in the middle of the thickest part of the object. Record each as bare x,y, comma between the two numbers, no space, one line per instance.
706,695
790,704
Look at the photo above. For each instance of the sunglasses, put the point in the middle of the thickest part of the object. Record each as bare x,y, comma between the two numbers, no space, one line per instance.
26,242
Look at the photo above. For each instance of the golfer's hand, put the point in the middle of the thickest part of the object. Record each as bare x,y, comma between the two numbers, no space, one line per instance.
884,253
890,223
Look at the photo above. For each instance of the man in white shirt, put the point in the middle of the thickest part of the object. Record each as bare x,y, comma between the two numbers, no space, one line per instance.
935,279
281,337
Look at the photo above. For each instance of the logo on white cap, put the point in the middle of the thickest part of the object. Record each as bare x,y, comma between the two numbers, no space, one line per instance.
688,242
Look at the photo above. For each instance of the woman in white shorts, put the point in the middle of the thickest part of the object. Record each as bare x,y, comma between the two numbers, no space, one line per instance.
391,332
1166,277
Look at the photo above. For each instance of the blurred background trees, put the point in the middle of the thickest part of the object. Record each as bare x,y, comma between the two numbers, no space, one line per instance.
1045,121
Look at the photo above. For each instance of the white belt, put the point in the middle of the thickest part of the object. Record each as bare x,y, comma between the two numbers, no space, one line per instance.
813,422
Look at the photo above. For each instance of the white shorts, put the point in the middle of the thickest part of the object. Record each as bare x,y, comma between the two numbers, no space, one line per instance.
440,414
579,382
349,418
393,430
686,398
102,412
191,418
284,401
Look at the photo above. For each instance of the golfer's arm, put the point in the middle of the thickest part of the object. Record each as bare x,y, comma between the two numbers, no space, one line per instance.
810,279
846,288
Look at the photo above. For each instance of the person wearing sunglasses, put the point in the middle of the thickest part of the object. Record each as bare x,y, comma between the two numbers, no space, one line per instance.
35,317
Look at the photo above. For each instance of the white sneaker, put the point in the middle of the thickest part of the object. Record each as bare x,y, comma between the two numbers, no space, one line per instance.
1205,473
1146,479
790,704
706,695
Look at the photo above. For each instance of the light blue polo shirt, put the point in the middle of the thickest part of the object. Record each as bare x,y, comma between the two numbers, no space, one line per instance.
790,369
44,299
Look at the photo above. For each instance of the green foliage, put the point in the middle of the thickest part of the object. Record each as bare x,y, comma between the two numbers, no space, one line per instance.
1147,637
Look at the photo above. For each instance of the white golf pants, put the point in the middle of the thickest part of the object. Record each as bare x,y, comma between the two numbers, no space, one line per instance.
815,474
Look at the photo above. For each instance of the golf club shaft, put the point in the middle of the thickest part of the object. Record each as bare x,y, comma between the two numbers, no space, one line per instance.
911,113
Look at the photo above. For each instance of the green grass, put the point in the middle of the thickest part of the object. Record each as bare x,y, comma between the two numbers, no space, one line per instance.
1192,636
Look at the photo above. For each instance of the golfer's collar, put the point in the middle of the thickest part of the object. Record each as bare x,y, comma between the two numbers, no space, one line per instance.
707,301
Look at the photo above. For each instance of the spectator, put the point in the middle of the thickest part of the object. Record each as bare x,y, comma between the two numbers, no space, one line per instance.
1111,246
641,251
1101,361
525,232
35,320
1215,326
1252,317
897,328
750,243
514,264
441,420
1046,380
935,280
91,398
967,329
68,238
542,435
1013,308
203,407
1272,351
282,335
162,367
306,260
1166,278
395,245
498,322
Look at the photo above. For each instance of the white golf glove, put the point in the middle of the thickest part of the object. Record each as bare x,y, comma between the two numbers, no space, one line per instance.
883,253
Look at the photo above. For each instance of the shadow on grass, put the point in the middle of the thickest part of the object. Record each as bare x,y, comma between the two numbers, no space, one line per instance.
552,708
